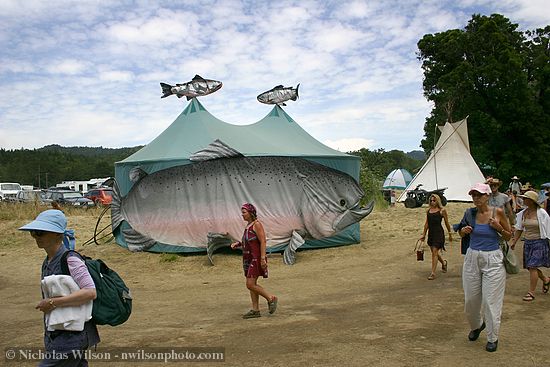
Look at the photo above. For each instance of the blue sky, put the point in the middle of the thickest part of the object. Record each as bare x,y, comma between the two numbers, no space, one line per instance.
87,73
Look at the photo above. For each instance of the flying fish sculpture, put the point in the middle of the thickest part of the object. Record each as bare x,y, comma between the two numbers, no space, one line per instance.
279,95
197,87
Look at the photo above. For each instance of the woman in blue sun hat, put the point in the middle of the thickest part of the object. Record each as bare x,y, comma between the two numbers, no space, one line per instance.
62,347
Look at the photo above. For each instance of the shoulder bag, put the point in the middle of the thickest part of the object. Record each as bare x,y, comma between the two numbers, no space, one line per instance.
511,263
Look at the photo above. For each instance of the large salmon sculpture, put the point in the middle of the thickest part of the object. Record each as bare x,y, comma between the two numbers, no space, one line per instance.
279,95
198,86
199,203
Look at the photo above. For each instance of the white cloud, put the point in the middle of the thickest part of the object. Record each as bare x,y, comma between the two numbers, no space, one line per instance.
349,144
71,67
99,63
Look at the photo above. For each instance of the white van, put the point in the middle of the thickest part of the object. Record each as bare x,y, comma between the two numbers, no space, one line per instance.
9,190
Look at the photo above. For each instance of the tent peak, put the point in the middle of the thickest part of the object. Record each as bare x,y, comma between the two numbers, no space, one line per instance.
193,106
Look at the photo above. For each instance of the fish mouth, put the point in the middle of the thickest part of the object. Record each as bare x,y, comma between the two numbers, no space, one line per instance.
351,216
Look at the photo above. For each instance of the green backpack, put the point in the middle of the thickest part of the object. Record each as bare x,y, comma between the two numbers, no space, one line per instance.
113,303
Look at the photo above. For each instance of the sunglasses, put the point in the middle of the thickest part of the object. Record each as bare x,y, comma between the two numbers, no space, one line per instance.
37,233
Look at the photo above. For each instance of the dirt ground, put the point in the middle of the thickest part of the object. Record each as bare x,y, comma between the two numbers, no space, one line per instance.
361,305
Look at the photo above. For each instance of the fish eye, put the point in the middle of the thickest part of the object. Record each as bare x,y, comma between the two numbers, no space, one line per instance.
342,202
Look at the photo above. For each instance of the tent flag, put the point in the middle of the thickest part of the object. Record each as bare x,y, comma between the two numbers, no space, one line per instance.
397,179
450,165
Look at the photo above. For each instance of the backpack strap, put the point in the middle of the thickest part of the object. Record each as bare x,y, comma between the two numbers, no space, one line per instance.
64,265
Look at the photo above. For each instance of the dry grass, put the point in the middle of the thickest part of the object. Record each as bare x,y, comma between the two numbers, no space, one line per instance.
361,305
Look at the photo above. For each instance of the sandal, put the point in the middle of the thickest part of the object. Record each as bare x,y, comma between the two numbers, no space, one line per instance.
444,266
252,314
546,286
431,277
272,305
529,297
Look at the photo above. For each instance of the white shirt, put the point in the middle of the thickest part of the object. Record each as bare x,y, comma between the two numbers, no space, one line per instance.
544,222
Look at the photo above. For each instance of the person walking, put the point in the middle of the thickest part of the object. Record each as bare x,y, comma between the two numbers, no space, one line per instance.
499,200
483,272
515,185
63,347
436,235
534,223
253,245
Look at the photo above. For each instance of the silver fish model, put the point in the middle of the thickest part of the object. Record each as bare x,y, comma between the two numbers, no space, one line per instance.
191,204
278,95
198,86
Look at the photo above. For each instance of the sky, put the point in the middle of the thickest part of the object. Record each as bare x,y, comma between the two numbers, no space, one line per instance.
87,73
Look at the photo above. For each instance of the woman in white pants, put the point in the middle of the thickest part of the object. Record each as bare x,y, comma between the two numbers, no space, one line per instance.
483,273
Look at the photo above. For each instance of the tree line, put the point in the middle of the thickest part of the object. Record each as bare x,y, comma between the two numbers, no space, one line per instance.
53,164
499,76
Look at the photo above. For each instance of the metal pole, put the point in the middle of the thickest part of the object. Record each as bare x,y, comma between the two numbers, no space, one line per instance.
435,153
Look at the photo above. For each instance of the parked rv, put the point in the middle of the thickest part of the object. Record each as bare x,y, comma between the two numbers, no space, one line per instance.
9,190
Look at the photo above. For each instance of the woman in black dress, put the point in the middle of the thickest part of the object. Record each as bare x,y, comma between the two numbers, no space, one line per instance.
436,234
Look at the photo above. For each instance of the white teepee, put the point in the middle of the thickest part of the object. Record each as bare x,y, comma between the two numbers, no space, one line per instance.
449,165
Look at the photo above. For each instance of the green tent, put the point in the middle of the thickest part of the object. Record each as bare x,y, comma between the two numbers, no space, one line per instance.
277,134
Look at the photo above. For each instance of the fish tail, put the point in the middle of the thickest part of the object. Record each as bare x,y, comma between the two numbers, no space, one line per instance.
296,96
134,240
166,90
116,207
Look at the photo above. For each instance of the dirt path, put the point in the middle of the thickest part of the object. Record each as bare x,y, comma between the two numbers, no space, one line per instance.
361,305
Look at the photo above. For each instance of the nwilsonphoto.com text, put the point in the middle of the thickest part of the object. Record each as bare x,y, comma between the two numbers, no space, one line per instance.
165,355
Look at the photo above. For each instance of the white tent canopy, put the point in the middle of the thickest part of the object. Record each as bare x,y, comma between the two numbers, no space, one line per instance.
397,179
449,165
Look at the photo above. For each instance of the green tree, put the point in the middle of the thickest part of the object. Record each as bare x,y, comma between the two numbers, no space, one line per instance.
498,76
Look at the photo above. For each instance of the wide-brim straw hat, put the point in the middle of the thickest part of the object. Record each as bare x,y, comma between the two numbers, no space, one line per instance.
494,181
531,195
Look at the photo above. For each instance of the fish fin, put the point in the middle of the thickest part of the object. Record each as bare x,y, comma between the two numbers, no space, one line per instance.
289,255
216,149
198,77
137,241
296,96
166,90
216,241
278,87
116,207
137,174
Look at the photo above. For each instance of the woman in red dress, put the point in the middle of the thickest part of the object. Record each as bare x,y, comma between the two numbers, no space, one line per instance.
253,245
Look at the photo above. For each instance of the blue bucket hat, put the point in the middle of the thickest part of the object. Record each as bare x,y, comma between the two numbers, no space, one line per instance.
52,220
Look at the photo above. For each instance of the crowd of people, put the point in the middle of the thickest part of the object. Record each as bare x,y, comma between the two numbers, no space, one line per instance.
520,213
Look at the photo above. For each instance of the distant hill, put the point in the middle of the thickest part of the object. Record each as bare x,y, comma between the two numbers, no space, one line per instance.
91,151
53,164
419,155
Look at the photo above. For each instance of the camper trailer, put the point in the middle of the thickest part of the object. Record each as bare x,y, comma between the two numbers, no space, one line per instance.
9,190
82,186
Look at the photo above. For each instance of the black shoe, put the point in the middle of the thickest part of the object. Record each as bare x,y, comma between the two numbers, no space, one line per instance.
474,334
491,346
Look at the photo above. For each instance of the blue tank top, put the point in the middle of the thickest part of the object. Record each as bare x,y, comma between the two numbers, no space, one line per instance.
484,238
